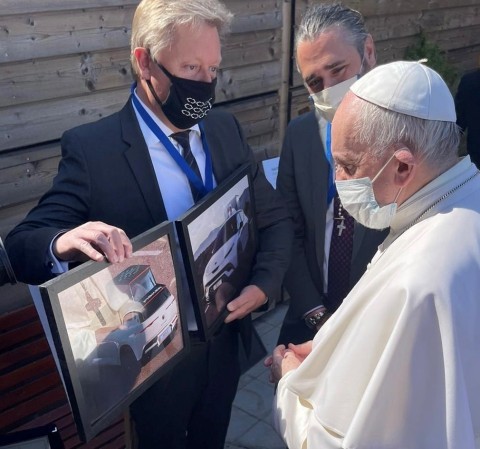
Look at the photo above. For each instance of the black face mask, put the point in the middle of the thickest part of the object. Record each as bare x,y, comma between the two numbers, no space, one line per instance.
188,101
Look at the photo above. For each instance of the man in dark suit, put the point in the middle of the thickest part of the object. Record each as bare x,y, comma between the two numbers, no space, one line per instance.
128,172
467,105
333,48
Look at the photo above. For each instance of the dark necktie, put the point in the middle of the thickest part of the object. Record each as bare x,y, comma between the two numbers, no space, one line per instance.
340,257
183,138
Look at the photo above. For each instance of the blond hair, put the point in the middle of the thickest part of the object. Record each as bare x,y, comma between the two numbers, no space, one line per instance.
154,21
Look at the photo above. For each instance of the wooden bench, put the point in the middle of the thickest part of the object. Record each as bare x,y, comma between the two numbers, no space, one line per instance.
31,391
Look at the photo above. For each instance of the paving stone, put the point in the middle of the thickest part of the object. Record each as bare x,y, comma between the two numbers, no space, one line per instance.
240,423
245,379
255,399
251,423
261,436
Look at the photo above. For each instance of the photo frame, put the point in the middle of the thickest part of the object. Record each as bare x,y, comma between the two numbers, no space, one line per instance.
117,328
43,437
218,241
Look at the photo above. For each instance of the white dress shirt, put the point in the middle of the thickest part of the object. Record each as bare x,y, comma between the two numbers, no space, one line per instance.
322,125
173,183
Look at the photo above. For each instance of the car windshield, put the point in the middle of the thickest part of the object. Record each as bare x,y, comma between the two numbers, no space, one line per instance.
155,299
225,233
142,285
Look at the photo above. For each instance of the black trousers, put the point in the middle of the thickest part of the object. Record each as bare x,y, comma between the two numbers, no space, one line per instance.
294,331
190,407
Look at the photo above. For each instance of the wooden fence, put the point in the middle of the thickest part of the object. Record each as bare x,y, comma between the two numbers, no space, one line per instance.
66,62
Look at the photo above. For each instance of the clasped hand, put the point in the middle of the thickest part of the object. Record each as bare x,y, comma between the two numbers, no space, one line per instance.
285,359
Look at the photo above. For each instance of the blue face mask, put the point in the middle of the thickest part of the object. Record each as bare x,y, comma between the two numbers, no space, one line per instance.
359,201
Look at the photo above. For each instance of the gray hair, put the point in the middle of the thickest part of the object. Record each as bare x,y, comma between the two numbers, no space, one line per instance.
434,142
154,21
323,16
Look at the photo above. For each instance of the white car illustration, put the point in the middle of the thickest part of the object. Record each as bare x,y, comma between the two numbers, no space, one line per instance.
148,315
227,250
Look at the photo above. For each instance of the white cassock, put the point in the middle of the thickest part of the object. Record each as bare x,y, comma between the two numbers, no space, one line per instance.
398,365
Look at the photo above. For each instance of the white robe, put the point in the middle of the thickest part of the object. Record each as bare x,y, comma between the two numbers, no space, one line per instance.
398,365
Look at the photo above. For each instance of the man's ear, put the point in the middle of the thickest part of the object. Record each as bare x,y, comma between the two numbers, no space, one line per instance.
406,167
370,54
142,57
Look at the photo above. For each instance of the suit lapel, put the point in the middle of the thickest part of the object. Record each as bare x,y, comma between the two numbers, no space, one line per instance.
317,164
222,162
138,158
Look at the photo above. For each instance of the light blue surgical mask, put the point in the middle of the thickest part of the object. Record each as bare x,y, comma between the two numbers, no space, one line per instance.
358,199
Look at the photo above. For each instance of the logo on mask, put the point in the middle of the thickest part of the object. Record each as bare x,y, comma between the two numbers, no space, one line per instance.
188,100
196,109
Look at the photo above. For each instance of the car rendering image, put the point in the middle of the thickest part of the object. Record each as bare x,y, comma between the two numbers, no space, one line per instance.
148,315
227,250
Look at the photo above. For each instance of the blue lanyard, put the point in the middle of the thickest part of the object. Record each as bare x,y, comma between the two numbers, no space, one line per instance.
177,157
332,190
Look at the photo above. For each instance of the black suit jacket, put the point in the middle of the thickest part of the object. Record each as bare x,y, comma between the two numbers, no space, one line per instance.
303,183
467,104
106,174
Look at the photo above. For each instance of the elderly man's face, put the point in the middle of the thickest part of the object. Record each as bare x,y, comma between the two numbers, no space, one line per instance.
353,159
331,59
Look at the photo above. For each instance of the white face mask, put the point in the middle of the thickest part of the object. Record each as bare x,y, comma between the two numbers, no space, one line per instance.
327,100
359,201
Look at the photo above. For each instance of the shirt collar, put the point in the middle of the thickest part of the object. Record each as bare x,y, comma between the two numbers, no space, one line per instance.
421,200
150,137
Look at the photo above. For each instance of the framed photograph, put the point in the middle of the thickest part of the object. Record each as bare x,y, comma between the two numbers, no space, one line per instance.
218,240
117,328
44,437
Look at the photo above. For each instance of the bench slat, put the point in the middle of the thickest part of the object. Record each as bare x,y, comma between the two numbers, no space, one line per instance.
31,390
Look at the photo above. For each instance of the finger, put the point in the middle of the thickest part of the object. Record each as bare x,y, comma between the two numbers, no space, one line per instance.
289,355
120,243
295,348
236,315
86,248
112,241
302,349
241,308
102,242
236,303
268,361
278,351
127,244
242,311
116,243
250,295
